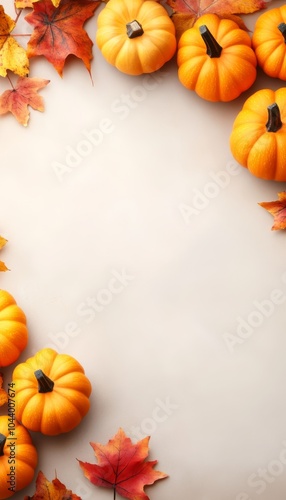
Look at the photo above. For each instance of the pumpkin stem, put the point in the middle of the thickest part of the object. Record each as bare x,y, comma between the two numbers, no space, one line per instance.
282,28
274,122
45,384
134,29
2,444
213,47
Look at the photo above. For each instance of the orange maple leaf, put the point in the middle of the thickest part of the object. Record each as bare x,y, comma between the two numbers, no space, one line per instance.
278,210
186,12
58,31
55,490
3,242
3,393
24,94
122,466
13,57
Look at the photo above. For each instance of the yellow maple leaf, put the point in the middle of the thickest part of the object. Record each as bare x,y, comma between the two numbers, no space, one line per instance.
25,4
13,57
56,3
3,242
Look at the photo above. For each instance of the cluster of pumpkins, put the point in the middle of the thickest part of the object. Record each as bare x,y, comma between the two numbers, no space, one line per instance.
49,393
216,59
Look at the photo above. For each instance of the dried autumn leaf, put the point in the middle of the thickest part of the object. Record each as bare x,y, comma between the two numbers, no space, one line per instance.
13,57
54,490
278,210
24,94
3,393
186,12
122,466
3,242
56,3
58,31
24,4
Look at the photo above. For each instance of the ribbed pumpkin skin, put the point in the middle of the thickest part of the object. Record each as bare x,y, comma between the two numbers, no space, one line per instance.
13,329
262,152
269,43
144,54
26,458
57,411
221,78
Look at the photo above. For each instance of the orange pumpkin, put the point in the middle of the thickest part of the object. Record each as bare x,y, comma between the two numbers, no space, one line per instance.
52,392
215,59
269,42
18,457
136,36
13,329
258,137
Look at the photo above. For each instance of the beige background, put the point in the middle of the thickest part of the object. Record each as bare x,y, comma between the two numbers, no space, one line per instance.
158,225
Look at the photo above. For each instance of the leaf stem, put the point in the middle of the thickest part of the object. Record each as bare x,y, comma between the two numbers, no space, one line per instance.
22,34
11,83
18,14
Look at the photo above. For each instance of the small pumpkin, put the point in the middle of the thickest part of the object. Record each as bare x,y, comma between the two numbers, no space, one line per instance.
52,392
269,42
18,457
215,59
258,137
13,329
136,36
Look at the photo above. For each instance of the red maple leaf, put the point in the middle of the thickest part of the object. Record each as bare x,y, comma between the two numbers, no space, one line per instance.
58,31
186,12
122,466
23,94
278,210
